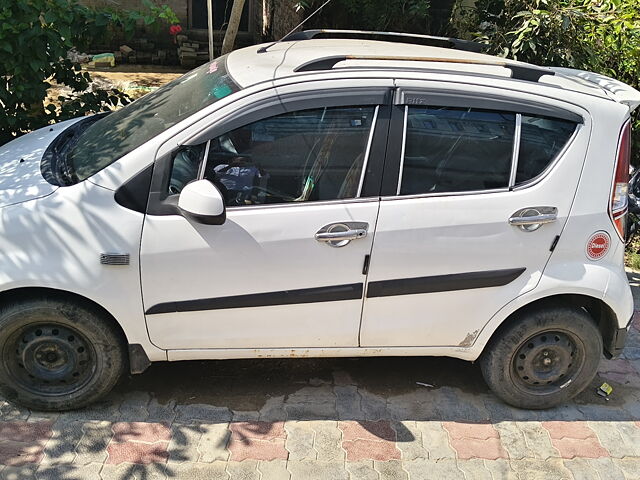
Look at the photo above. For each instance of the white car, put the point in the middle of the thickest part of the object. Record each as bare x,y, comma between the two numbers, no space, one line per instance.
333,194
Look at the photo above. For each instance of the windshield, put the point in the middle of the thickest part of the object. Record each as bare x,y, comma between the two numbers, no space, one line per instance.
122,131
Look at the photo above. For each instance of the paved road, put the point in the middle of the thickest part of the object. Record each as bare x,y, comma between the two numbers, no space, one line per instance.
330,419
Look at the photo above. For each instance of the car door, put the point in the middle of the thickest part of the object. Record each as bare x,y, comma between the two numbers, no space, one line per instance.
285,270
471,181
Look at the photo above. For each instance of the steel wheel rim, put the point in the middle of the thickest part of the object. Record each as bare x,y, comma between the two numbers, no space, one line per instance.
49,359
547,362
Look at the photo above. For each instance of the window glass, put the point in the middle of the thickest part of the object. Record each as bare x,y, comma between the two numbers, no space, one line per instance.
124,130
186,163
308,155
456,150
540,142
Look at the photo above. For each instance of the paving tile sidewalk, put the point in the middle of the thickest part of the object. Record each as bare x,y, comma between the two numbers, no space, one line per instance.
358,419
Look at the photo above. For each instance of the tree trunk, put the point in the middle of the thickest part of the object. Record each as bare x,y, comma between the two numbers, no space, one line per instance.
232,27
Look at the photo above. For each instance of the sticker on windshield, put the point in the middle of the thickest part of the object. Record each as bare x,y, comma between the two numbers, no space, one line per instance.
221,91
213,67
598,245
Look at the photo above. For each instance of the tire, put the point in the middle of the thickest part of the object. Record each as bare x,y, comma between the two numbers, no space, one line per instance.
558,347
57,355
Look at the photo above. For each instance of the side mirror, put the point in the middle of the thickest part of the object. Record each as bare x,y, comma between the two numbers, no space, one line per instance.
202,201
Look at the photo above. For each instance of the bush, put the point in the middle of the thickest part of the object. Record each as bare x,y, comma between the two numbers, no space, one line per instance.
602,36
35,37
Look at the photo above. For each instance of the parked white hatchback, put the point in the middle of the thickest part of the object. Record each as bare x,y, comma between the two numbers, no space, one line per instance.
334,194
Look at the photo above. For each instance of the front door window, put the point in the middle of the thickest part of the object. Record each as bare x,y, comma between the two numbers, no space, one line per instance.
304,156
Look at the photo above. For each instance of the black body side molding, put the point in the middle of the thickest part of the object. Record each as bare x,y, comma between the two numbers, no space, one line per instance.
286,297
335,293
443,283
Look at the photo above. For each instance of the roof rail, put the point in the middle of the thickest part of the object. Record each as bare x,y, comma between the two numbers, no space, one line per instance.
443,42
519,71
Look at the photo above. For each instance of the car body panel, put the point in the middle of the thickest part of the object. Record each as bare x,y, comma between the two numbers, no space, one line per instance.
20,176
277,252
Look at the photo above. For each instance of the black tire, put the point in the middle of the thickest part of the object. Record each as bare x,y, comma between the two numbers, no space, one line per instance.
543,358
57,355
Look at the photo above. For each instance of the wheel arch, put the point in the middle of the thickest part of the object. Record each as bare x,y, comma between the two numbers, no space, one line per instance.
602,314
137,360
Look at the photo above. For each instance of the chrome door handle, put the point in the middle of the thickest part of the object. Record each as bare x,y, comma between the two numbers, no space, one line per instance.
532,218
341,234
347,235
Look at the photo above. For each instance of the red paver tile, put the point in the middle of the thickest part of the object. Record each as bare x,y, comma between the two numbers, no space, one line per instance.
141,432
16,454
560,429
258,430
137,452
25,431
368,430
369,440
257,441
575,439
484,448
479,431
23,442
380,450
579,447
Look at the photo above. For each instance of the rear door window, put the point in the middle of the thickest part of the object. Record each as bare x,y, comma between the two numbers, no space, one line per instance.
541,140
448,150
456,150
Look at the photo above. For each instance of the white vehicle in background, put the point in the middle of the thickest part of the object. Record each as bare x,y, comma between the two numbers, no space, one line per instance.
334,194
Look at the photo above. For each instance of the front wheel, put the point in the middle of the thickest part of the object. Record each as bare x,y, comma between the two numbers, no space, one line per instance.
543,358
57,355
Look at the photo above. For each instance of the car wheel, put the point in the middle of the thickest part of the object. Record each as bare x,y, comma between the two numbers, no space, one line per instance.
57,355
543,358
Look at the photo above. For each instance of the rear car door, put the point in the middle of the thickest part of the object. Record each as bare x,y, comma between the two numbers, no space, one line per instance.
466,177
285,269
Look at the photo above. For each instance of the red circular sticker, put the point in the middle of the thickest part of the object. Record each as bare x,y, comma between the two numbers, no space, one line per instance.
598,245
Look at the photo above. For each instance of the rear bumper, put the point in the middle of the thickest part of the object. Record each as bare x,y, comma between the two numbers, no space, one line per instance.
614,345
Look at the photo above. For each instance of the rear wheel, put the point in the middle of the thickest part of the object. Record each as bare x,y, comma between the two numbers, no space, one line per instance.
57,355
543,358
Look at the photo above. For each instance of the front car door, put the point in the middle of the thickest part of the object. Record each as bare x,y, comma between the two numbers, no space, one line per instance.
286,268
446,256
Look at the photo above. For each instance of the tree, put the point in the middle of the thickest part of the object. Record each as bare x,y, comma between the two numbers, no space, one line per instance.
602,36
232,27
35,38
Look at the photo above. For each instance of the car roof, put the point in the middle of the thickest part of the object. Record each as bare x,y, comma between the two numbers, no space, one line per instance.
267,62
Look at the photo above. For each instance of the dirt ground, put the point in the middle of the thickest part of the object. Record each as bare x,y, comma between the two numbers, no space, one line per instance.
134,80
138,75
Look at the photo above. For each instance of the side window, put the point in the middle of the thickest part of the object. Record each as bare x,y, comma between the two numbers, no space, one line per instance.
308,155
184,169
541,140
456,150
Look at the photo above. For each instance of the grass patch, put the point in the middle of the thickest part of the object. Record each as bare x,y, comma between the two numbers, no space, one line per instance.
632,254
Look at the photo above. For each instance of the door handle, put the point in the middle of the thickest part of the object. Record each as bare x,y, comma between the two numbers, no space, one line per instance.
346,235
341,234
532,218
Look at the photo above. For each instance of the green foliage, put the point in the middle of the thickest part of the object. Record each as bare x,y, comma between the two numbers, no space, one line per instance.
602,36
388,15
380,15
35,36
